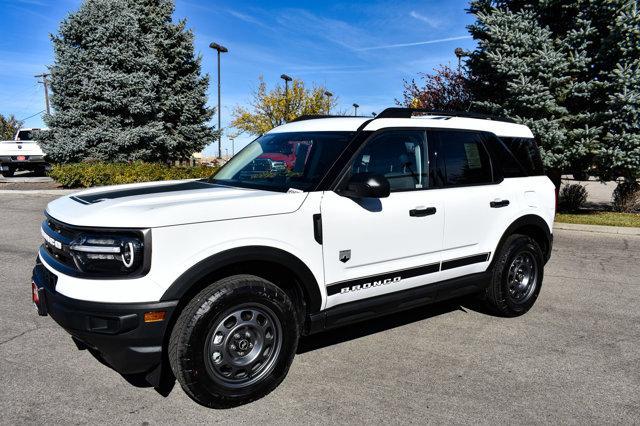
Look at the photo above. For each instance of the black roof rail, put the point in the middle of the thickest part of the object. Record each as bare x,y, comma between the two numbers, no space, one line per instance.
398,112
314,117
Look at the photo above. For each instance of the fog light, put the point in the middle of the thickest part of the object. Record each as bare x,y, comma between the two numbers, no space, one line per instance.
154,316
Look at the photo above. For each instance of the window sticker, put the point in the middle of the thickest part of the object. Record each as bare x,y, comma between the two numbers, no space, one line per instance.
473,155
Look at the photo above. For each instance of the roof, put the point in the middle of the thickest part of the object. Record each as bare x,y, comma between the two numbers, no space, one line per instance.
346,124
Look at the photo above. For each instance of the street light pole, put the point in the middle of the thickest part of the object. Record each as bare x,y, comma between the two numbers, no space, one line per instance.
355,109
328,94
460,53
286,79
220,49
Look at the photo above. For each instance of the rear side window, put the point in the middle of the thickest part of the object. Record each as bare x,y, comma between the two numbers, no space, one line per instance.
461,157
526,151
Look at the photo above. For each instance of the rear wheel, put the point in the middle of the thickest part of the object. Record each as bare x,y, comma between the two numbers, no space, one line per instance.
8,173
516,277
234,342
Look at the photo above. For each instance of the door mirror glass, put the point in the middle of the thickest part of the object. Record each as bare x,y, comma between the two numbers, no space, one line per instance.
366,185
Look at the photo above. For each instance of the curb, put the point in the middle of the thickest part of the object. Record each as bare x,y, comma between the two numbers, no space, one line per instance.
60,192
601,229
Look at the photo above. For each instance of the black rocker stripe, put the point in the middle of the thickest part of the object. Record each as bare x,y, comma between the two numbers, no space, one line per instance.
153,189
464,261
336,288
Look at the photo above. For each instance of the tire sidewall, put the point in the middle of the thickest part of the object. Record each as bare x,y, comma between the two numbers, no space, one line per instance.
210,313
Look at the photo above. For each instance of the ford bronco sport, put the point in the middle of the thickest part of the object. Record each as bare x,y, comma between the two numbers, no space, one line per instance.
318,223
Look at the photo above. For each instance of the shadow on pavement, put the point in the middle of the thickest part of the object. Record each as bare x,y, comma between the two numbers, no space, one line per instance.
388,322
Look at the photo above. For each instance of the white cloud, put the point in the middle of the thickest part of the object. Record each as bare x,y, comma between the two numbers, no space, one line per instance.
434,23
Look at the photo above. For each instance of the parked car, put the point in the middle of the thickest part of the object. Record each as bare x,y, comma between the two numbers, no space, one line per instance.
213,281
22,153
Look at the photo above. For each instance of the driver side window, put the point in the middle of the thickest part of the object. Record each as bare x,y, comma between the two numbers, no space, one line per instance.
401,156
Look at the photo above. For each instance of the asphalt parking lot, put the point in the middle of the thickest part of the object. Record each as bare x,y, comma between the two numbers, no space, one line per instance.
574,358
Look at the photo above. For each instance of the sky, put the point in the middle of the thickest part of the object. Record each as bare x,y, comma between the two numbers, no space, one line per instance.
360,50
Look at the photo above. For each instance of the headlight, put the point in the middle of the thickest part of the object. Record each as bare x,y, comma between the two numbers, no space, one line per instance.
118,255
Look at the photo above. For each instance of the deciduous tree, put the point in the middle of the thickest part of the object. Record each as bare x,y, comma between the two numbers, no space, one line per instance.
444,90
9,125
271,108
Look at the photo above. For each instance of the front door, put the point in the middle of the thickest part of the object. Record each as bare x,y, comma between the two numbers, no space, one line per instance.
377,246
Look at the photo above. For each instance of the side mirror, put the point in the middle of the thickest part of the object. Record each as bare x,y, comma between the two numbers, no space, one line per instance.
367,185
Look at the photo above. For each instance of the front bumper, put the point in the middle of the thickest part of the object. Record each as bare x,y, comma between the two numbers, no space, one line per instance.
116,333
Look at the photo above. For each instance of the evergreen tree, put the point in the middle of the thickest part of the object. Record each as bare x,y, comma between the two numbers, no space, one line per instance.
126,85
559,67
621,142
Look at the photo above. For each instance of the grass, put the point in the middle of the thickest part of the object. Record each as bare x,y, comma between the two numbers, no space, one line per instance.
601,218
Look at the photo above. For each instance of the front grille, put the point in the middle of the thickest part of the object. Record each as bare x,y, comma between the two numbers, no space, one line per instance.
57,241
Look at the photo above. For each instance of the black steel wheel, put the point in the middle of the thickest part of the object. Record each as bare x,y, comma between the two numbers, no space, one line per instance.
233,342
516,277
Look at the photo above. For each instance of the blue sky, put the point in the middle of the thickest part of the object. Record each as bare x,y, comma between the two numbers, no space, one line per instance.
361,50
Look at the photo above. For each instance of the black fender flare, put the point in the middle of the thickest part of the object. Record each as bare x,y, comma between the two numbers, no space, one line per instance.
211,264
530,220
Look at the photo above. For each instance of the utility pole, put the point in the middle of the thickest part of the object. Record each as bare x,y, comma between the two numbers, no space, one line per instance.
286,79
328,94
355,109
220,49
45,83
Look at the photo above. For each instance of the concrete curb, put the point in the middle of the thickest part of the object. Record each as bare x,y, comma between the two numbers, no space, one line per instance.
59,192
619,230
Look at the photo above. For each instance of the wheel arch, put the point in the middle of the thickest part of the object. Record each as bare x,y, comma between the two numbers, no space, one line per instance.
263,261
533,226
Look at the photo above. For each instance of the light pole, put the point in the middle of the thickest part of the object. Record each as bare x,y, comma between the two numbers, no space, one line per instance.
328,94
220,49
355,109
286,79
460,53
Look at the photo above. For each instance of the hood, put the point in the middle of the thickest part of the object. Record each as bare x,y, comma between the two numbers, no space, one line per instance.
155,204
20,148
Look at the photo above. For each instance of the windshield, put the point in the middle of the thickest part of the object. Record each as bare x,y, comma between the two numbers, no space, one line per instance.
284,161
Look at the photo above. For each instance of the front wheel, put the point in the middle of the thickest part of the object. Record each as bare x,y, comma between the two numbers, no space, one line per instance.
234,342
516,277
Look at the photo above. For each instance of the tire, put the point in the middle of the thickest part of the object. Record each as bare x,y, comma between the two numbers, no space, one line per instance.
40,171
8,173
516,277
233,321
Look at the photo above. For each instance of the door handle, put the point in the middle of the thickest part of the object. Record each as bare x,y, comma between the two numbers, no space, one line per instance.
498,204
422,211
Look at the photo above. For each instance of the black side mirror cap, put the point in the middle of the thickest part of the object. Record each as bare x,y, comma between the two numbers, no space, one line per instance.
367,185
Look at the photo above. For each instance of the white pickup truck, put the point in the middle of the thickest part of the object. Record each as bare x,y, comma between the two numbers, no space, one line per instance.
22,153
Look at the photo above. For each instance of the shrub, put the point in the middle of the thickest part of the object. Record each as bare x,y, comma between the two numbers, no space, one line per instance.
85,175
626,197
572,197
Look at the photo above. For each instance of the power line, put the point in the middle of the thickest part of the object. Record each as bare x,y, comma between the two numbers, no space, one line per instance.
31,116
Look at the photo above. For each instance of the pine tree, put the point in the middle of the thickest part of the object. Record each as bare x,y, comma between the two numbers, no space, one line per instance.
126,85
621,142
560,68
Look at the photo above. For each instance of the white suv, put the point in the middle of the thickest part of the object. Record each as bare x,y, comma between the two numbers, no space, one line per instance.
319,223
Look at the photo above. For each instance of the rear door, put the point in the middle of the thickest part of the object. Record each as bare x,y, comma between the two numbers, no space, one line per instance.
377,246
477,204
